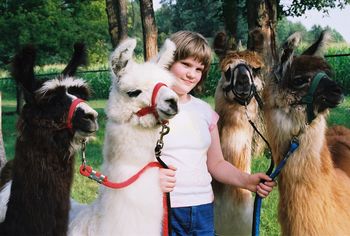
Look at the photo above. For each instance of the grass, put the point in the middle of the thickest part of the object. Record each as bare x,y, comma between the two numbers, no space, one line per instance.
85,191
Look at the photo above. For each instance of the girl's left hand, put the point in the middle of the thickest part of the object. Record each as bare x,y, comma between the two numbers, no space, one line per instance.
261,184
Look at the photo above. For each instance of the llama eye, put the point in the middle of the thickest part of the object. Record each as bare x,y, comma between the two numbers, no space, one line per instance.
300,82
134,93
256,70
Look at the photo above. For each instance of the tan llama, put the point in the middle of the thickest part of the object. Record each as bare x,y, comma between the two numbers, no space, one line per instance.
235,101
338,139
314,195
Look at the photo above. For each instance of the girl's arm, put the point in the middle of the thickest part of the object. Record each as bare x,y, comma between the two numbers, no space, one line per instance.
226,173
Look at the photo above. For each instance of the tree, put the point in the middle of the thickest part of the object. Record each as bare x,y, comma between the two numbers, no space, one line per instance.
2,149
111,11
203,16
122,15
298,7
53,26
150,32
262,21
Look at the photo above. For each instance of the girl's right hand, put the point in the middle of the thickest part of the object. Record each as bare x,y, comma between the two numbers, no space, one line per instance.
167,179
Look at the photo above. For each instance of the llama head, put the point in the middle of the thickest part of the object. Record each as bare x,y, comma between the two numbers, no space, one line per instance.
240,77
56,105
137,95
302,88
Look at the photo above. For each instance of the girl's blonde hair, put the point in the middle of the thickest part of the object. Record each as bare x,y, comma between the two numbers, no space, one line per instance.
192,44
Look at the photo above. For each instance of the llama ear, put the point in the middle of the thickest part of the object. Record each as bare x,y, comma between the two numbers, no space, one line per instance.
23,70
79,58
166,54
256,41
122,57
219,44
286,58
318,48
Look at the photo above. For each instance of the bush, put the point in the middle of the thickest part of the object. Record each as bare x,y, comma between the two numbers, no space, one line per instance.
99,82
340,65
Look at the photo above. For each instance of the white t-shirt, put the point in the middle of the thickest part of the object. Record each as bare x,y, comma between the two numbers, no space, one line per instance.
186,147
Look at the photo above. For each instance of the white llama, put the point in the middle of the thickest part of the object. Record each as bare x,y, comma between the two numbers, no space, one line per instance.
129,145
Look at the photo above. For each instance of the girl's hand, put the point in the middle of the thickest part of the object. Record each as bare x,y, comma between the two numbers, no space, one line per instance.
261,184
167,179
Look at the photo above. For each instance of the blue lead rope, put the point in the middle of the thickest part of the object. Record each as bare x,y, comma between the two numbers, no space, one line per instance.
294,144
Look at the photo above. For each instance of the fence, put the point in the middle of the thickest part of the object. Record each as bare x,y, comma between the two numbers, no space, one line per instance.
99,80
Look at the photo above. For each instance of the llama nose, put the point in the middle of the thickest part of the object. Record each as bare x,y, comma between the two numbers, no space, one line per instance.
172,104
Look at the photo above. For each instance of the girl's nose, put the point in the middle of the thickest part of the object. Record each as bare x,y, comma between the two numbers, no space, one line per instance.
190,74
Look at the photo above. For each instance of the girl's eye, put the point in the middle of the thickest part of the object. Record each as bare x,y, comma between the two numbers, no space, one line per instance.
134,93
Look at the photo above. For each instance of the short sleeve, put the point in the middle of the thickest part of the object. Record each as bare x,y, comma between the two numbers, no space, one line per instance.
214,120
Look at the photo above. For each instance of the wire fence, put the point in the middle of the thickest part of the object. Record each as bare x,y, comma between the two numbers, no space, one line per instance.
106,70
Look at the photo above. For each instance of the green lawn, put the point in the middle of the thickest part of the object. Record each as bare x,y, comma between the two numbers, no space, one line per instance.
85,190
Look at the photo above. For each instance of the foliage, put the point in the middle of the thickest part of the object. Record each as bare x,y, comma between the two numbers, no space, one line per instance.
197,16
201,16
53,26
340,65
285,28
298,7
212,80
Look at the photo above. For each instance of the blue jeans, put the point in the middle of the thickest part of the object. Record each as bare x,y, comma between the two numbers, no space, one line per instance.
193,220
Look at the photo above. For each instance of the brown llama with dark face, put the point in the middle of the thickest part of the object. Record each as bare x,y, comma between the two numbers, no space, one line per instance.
314,195
236,102
48,136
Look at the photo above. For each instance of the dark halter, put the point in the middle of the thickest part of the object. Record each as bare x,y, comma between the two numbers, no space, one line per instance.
252,92
308,99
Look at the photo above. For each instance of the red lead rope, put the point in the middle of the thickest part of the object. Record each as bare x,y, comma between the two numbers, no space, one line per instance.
100,178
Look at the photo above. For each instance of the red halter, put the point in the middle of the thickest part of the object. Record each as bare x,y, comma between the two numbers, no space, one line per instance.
72,108
151,109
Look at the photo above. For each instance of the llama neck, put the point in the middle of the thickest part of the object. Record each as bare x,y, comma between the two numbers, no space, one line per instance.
236,133
42,178
128,144
309,159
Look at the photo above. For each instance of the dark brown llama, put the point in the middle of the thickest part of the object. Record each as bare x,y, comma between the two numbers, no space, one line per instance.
236,101
50,129
314,196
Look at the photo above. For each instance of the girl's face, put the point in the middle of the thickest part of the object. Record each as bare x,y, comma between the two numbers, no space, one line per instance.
188,73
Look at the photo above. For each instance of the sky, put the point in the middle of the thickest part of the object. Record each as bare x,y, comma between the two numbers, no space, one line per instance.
336,19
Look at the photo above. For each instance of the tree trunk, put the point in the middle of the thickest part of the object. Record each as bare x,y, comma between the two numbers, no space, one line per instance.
150,32
230,14
19,99
2,148
117,20
262,20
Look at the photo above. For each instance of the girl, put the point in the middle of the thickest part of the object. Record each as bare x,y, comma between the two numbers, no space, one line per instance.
192,148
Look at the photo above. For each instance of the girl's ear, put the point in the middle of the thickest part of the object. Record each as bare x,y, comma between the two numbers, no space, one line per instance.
121,58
